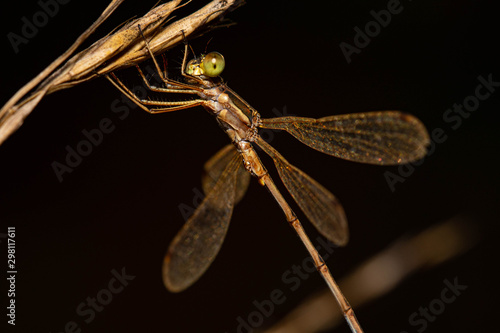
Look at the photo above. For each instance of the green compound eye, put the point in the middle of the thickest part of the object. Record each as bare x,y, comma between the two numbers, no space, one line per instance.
213,64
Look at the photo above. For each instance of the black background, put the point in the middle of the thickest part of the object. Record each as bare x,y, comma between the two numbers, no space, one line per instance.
120,206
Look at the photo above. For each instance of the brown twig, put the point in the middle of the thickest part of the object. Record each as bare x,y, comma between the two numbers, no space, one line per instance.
120,49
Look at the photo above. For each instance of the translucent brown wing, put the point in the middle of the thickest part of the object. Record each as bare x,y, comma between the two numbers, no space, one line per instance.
200,239
384,137
215,166
318,204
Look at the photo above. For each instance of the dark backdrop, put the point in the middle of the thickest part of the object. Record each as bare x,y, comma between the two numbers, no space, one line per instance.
119,208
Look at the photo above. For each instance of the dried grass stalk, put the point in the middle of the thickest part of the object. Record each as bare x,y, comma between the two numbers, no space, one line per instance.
120,49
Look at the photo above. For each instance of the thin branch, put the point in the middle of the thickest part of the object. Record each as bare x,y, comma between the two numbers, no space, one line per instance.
120,49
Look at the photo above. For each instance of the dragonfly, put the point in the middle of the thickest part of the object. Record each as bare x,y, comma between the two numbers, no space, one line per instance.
381,137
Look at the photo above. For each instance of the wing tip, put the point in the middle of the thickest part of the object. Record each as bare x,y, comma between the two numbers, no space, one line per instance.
339,238
168,282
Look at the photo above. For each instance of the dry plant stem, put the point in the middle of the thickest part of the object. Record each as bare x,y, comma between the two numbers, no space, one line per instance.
171,35
292,219
9,107
84,65
125,36
123,48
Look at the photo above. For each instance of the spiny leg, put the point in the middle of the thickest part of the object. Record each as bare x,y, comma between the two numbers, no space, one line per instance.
166,80
184,61
164,60
175,90
172,106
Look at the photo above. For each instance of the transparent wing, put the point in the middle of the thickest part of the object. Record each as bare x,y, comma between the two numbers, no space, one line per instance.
215,166
384,137
318,204
197,244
